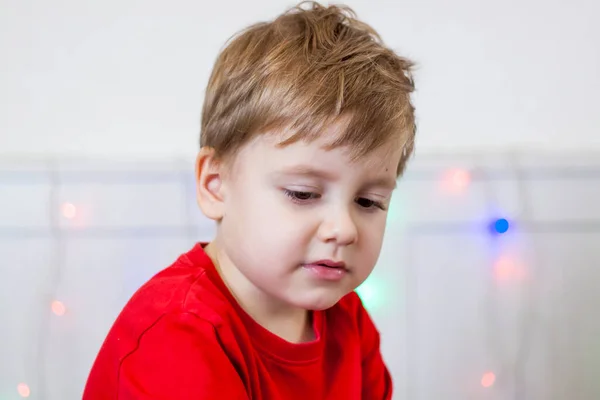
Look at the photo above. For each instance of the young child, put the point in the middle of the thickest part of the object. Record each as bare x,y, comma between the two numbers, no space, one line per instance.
307,124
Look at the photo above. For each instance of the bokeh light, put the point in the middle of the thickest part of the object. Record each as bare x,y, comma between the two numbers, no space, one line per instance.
508,269
397,209
393,213
69,211
58,308
372,293
500,225
488,379
456,180
23,390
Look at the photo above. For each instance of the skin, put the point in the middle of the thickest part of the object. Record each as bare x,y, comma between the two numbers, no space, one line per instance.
280,208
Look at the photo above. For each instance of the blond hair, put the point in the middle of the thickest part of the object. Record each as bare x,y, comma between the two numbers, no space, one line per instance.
306,69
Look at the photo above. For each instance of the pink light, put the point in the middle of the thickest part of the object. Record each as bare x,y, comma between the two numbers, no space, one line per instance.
456,180
23,390
69,211
507,269
58,308
488,379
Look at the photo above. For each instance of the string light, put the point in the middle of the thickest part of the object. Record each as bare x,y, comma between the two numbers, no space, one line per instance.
488,379
500,225
58,308
507,269
23,390
393,212
397,210
371,293
456,180
69,211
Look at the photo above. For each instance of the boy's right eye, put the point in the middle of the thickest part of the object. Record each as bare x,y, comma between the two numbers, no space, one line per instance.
299,196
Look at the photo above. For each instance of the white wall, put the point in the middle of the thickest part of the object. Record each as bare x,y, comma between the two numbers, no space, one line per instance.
126,77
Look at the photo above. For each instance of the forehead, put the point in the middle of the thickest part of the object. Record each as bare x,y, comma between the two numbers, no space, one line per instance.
265,151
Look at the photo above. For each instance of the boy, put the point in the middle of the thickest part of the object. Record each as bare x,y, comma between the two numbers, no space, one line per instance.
306,125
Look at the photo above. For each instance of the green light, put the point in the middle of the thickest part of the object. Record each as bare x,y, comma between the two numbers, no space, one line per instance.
396,210
372,293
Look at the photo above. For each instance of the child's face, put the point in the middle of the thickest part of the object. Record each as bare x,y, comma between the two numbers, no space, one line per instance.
287,208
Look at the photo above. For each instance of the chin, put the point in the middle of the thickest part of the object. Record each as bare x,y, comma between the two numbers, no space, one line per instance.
320,303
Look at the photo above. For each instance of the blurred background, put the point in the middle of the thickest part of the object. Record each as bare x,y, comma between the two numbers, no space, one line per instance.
488,286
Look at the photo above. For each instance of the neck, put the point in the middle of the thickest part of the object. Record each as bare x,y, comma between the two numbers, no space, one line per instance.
291,323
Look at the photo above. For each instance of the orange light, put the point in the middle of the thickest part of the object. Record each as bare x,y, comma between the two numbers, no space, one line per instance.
58,308
69,211
456,180
506,269
23,390
488,379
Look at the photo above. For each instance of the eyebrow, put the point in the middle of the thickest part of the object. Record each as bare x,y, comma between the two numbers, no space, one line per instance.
307,170
310,171
383,182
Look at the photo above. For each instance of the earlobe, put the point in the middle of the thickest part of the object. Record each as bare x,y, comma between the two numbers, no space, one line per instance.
209,188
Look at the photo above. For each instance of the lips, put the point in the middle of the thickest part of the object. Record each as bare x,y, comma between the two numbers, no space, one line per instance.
329,264
327,270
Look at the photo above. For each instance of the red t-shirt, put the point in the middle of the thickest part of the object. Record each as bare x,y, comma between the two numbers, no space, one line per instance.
183,336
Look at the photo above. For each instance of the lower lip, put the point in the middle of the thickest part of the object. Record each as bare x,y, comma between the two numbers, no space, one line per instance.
326,273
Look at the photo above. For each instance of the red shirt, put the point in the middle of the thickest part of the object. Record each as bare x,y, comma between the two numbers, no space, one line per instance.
183,336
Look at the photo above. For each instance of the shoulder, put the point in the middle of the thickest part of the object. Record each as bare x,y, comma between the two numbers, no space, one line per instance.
180,355
180,313
183,287
181,296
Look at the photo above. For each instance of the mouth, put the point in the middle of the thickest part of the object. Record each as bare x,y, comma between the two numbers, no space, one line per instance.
330,264
326,270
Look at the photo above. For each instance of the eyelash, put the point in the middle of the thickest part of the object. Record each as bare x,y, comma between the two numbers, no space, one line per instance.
300,197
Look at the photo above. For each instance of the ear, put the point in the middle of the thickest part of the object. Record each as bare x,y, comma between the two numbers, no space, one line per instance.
209,184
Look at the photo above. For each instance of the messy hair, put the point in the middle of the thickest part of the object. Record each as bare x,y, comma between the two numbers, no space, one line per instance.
308,68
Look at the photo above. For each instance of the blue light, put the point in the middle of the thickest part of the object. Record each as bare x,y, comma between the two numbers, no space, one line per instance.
501,225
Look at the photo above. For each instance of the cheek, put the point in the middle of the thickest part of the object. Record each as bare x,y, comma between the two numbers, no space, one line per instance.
264,217
372,231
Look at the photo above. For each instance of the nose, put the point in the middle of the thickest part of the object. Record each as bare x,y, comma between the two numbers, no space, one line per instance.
338,226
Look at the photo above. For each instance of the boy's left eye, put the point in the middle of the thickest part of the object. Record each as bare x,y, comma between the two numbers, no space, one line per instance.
368,203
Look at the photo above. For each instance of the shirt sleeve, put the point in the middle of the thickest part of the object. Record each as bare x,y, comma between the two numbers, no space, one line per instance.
376,379
179,357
